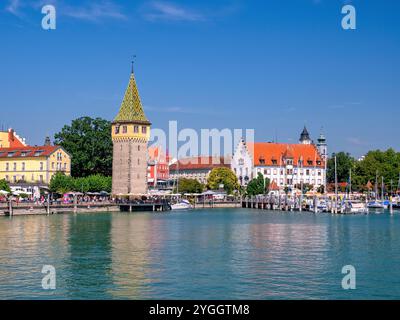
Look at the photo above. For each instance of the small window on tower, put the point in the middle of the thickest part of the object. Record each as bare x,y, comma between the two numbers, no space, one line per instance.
116,129
124,129
136,129
144,129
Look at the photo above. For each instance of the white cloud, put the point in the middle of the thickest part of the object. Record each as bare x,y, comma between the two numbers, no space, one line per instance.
158,10
90,10
94,11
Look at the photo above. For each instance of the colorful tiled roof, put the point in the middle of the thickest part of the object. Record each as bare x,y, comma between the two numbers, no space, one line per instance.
27,152
270,154
131,109
200,163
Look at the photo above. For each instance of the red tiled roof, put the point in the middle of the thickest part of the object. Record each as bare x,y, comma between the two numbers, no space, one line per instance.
266,152
200,163
28,150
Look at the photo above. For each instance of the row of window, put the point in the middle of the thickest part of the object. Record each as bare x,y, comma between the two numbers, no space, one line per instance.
295,181
136,129
16,179
289,162
24,153
306,172
54,166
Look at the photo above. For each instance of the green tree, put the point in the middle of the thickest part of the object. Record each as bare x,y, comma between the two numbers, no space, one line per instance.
4,185
89,143
60,183
344,162
385,164
223,176
257,185
189,186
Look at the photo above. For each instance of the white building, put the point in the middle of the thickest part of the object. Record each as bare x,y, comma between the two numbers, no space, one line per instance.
287,165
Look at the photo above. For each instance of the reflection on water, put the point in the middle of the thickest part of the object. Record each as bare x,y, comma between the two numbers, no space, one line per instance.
204,254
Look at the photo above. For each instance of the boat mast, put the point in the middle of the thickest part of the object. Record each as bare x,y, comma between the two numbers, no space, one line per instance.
376,186
398,185
382,190
336,185
350,185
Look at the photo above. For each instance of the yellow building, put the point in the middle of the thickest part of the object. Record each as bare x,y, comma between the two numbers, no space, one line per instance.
33,165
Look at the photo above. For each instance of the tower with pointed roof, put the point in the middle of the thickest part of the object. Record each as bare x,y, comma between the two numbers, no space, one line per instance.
130,136
305,137
322,146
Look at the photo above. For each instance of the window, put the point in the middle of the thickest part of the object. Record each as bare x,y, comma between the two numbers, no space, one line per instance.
138,148
23,167
41,178
7,178
7,166
136,129
41,166
144,130
124,129
15,166
23,178
116,129
11,154
307,172
274,161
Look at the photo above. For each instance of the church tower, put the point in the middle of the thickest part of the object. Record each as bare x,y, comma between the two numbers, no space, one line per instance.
322,146
130,136
305,137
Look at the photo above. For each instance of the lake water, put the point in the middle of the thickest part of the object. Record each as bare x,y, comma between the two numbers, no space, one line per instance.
201,254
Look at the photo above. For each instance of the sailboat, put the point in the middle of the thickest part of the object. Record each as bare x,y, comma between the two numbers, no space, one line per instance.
353,206
180,204
377,204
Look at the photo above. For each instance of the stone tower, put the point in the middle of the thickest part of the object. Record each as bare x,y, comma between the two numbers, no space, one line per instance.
130,136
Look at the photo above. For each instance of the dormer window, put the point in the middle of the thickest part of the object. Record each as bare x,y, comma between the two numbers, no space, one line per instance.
274,161
309,162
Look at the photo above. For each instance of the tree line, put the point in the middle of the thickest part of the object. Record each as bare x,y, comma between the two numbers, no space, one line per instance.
364,171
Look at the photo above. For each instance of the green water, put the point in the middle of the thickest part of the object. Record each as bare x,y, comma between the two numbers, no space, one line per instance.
201,254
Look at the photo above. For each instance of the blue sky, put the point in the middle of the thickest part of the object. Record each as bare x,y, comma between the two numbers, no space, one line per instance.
269,65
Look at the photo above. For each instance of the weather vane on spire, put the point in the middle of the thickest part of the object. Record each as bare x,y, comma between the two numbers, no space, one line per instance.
133,61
